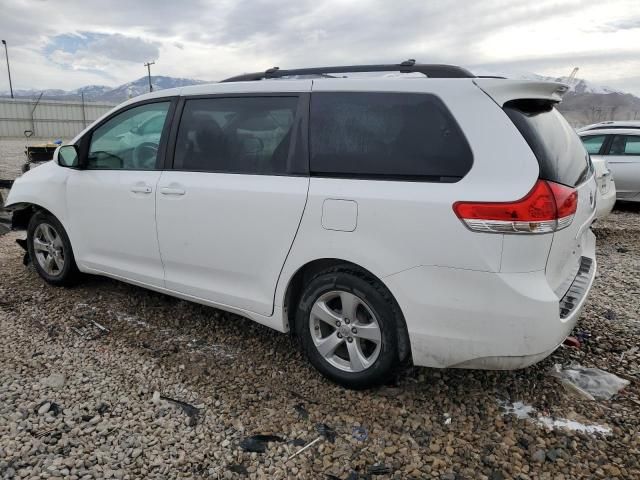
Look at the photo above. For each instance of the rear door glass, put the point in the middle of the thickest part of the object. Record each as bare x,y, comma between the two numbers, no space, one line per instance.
382,135
561,156
625,145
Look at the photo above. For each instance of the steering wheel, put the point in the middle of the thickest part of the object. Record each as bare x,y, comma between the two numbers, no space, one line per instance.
144,156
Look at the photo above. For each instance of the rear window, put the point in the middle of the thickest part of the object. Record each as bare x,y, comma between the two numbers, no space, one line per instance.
386,136
560,153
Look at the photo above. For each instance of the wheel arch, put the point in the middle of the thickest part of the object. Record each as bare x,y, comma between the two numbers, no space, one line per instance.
304,273
23,212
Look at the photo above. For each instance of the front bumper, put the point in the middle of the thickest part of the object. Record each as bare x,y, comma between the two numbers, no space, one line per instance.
469,319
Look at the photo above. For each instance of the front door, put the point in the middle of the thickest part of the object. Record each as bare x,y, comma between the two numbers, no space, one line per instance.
111,201
229,209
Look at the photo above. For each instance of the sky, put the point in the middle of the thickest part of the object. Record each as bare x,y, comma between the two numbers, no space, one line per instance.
67,44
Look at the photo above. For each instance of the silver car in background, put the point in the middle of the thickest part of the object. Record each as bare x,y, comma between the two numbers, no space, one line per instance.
615,146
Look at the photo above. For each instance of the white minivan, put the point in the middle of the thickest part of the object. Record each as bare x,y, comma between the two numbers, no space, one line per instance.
443,219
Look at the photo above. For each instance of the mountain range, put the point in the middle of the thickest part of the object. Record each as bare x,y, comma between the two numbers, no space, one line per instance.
102,93
584,103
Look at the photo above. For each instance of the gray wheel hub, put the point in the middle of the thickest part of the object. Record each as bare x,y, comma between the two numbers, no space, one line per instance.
48,249
345,331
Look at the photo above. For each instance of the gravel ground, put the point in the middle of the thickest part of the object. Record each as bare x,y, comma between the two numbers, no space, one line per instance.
80,402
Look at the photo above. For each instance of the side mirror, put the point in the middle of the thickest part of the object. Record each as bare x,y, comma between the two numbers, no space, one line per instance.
68,156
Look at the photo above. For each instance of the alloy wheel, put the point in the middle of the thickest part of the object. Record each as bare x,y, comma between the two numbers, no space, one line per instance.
49,249
345,331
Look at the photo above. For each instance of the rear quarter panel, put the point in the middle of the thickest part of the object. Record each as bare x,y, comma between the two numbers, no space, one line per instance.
400,224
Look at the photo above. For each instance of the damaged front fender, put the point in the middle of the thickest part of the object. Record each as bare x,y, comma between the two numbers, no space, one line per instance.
21,214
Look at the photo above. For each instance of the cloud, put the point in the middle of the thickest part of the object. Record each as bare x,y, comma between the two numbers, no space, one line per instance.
213,40
99,51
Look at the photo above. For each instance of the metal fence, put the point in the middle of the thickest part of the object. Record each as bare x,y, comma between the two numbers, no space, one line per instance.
47,118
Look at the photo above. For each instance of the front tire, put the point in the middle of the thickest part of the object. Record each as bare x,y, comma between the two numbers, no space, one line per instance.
347,323
50,250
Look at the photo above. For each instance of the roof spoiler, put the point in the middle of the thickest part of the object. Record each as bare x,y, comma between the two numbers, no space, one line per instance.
503,91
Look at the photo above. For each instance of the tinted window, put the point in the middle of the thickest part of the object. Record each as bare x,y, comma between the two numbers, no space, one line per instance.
236,135
561,156
130,140
625,145
386,135
593,144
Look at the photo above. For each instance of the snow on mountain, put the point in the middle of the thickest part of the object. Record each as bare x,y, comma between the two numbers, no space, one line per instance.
102,93
576,85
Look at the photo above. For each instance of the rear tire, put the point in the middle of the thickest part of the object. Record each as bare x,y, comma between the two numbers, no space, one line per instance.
347,323
50,250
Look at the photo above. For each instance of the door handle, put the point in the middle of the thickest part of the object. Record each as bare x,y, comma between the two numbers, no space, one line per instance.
141,189
172,191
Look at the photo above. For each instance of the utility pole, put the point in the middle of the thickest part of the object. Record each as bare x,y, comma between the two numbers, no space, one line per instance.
148,65
6,52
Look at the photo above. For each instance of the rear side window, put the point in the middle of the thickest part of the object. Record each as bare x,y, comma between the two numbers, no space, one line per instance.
561,156
625,145
386,136
593,144
236,135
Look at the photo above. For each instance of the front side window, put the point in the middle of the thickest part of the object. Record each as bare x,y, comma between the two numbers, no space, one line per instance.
625,145
387,136
593,143
130,140
236,135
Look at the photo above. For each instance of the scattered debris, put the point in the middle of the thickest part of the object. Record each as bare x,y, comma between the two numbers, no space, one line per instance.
326,431
306,447
301,411
191,411
102,328
360,433
527,412
631,351
582,336
590,383
572,342
258,443
48,407
103,408
239,468
77,331
379,470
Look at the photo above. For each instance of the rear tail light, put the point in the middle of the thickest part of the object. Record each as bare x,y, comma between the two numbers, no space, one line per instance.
548,207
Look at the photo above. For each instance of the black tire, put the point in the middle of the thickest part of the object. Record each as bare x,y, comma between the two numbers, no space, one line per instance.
376,300
68,273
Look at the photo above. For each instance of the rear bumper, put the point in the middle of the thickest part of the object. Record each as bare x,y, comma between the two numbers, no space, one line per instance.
605,203
468,319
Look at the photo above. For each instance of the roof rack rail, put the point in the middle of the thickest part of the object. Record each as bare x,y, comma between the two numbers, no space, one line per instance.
408,66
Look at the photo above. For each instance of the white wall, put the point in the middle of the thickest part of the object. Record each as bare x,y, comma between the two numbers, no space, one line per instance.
51,118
